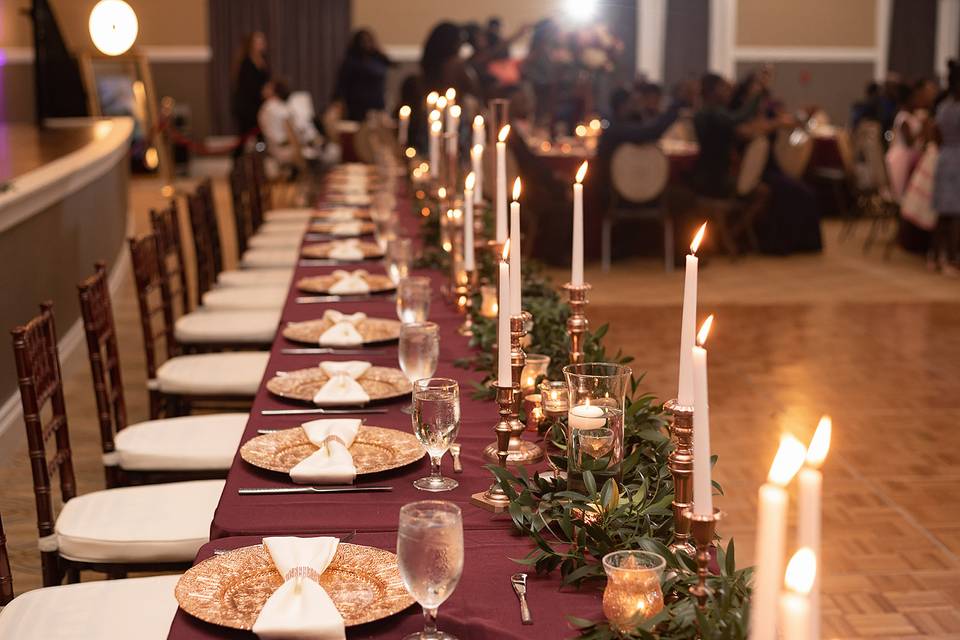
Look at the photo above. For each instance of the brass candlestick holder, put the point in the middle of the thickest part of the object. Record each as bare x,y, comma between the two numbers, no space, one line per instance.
577,323
703,529
680,463
465,293
495,499
520,451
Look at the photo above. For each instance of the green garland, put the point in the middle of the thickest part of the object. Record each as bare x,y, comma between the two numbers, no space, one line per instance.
634,513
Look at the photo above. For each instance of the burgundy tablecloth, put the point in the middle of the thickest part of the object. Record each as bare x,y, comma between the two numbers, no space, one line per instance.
482,607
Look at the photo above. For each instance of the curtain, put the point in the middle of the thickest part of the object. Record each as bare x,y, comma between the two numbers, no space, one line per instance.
913,28
687,40
306,42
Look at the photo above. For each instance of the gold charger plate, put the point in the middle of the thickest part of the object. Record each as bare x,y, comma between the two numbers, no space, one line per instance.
230,589
375,449
366,228
378,283
371,329
380,383
322,250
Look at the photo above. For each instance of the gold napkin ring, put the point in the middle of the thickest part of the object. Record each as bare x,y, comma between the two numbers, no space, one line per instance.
303,572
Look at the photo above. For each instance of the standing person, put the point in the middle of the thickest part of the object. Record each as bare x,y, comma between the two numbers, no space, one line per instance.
946,181
361,82
907,143
441,64
250,74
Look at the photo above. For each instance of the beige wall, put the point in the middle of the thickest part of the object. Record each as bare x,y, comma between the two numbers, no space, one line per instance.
408,22
810,23
162,22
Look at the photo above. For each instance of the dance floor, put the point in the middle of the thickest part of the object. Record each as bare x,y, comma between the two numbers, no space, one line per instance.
875,343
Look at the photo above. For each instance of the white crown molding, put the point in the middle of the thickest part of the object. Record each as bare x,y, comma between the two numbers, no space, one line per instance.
948,36
805,54
881,63
651,38
158,54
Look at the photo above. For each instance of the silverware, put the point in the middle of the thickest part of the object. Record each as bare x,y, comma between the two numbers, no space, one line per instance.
319,262
330,351
304,412
455,452
334,298
347,538
266,431
519,582
268,491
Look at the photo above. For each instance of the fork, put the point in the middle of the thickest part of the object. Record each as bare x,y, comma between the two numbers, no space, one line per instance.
519,582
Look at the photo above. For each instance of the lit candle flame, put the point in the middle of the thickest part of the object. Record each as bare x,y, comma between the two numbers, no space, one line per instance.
477,121
516,189
442,192
477,151
405,111
455,111
787,462
820,443
450,94
595,124
436,126
470,181
432,98
434,116
504,132
506,250
442,103
704,330
582,172
698,238
801,571
410,152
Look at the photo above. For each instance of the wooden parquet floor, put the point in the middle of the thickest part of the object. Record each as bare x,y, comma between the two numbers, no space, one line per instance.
875,343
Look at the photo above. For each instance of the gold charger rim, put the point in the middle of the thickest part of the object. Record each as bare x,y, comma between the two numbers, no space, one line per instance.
386,284
287,332
395,372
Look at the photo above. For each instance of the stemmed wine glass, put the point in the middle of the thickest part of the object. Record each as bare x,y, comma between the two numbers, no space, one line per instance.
436,423
398,257
418,351
413,299
430,556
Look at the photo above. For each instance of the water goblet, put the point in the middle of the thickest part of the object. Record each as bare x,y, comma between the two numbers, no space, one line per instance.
418,351
398,257
436,423
413,299
430,557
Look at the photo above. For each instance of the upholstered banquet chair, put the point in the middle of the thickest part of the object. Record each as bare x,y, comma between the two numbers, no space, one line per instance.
155,527
184,448
205,329
140,608
176,382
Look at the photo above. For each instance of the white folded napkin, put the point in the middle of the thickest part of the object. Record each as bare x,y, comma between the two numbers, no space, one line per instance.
331,463
349,228
340,214
345,250
300,609
347,282
344,330
342,388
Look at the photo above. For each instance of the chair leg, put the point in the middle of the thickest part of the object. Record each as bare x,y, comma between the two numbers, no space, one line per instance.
668,247
606,231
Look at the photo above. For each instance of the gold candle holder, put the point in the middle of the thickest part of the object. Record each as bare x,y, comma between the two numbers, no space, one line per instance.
520,451
488,301
577,323
703,529
495,499
680,463
465,293
533,411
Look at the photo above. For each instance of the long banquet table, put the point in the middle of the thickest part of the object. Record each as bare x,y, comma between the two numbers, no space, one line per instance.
484,605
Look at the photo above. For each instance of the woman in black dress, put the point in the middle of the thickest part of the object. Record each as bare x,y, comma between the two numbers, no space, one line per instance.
250,74
361,83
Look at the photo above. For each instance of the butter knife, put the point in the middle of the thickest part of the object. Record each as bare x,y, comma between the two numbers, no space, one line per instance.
269,491
321,412
329,351
455,452
519,582
338,298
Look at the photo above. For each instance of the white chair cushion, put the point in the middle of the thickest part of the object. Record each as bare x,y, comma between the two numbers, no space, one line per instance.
269,258
140,608
188,443
228,374
204,326
275,241
238,298
255,277
294,214
282,227
149,523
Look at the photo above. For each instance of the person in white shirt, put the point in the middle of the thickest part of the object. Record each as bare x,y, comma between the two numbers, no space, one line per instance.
275,121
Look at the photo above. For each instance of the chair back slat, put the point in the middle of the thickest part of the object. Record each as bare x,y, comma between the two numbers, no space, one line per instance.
41,390
153,300
240,202
6,576
166,226
202,245
205,191
261,191
104,356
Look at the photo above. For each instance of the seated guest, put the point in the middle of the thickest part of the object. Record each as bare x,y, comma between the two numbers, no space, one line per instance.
361,82
632,120
278,122
868,107
650,97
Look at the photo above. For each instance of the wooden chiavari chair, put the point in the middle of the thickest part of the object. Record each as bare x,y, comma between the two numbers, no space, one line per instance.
185,448
115,531
179,382
166,225
137,608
